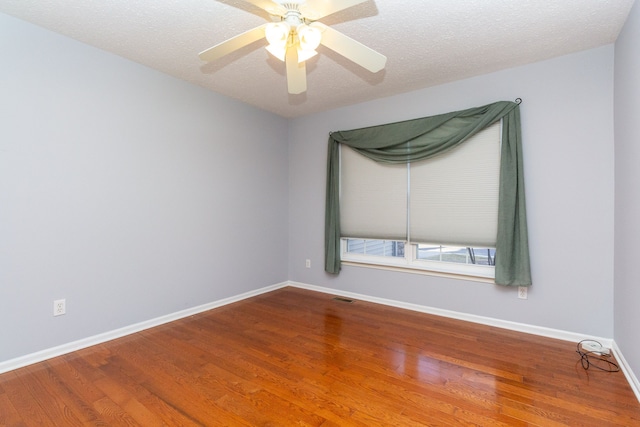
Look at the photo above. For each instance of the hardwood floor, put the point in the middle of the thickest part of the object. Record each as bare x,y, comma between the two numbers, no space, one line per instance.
296,357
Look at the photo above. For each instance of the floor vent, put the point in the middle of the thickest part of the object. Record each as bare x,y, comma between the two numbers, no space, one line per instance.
343,299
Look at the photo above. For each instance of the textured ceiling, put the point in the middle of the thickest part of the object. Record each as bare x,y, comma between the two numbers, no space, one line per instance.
427,42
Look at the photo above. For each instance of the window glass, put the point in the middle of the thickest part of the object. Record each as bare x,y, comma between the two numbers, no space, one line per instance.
389,248
464,255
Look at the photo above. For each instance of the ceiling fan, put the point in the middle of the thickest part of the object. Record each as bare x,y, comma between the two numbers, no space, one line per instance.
294,35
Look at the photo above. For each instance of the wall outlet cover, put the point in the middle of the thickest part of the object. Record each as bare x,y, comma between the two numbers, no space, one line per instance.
522,292
59,307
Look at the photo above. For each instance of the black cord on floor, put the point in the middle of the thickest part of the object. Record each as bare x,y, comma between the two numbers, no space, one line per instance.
594,358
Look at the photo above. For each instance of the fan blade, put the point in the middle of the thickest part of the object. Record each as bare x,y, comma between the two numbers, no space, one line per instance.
233,44
296,72
316,9
270,6
351,49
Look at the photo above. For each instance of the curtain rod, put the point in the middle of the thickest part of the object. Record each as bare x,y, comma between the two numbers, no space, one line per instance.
517,101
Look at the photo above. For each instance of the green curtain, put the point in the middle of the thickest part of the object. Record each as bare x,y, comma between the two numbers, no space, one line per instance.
423,138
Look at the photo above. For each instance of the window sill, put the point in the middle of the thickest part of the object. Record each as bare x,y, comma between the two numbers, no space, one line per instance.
405,269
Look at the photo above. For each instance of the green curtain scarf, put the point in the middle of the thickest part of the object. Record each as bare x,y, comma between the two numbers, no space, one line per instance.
423,138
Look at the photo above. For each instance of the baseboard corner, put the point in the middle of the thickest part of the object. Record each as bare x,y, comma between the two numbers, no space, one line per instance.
626,370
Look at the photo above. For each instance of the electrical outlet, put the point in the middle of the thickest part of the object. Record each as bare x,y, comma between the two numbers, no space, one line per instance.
522,292
307,263
59,307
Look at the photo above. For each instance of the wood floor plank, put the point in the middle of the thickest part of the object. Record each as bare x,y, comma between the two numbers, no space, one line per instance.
27,405
297,357
8,414
113,414
130,404
60,402
128,378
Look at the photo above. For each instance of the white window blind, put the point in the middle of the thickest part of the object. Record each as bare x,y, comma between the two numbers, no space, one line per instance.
449,199
373,197
454,196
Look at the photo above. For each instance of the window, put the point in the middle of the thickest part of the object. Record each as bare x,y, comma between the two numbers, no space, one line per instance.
438,214
455,260
424,139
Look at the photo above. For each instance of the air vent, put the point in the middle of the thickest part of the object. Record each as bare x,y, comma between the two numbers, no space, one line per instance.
343,299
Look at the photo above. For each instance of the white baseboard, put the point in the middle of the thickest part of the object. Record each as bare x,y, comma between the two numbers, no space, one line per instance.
626,370
505,324
49,353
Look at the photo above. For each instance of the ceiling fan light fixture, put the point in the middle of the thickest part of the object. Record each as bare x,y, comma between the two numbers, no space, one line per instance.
309,37
277,33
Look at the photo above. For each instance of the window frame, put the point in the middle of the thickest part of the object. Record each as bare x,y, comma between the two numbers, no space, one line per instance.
412,264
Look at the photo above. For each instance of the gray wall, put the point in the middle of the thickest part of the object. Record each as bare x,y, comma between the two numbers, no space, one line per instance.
567,126
627,160
129,193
